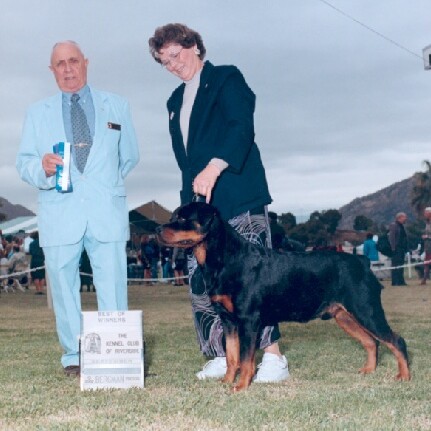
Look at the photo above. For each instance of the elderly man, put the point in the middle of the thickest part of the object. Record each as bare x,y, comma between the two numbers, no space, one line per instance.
398,241
426,237
92,213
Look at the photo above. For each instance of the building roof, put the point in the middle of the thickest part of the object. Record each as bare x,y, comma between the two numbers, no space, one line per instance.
154,212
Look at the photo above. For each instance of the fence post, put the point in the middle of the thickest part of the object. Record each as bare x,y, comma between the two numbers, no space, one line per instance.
409,261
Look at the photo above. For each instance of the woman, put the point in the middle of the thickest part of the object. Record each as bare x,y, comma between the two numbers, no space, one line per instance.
212,131
37,261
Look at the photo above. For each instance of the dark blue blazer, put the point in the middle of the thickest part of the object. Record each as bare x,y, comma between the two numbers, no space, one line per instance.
221,126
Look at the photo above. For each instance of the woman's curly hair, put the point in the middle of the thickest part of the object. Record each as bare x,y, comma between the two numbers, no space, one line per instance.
175,33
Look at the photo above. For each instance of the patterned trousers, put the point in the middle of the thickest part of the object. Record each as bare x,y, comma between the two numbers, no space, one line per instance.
254,227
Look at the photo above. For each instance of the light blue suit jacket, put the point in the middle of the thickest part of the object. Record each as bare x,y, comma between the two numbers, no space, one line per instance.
99,197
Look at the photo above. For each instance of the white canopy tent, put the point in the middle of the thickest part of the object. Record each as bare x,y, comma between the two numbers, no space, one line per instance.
27,224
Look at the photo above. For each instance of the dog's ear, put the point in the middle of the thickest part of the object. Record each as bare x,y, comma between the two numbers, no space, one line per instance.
179,213
174,215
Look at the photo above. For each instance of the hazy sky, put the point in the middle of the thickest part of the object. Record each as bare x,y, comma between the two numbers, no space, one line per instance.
341,111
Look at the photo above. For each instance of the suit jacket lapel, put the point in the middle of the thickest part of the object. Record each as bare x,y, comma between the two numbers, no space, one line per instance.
101,113
200,103
54,109
174,124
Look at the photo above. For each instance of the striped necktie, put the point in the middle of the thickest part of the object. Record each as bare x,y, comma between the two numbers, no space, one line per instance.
82,139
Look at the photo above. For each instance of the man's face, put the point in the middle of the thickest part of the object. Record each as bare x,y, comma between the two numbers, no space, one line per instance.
427,215
69,67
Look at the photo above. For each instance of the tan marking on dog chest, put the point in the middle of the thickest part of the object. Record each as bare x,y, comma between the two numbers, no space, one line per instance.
200,253
225,300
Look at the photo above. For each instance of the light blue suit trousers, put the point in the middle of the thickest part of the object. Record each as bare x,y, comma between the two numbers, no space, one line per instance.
109,264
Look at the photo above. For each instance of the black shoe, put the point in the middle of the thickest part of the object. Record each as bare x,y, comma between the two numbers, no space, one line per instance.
72,371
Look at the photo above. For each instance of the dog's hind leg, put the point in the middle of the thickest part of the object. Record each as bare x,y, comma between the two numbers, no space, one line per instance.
350,325
368,336
374,321
378,327
398,347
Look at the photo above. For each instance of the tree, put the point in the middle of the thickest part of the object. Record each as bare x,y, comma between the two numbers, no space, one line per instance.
362,222
421,193
300,233
315,215
317,231
330,219
414,234
288,220
313,232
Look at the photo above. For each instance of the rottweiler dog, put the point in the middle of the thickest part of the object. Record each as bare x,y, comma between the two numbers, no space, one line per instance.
251,287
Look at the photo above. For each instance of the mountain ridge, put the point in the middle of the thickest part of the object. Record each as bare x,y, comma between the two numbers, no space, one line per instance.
12,211
382,205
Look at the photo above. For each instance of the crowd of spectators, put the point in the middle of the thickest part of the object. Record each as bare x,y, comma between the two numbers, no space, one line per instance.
148,260
22,263
18,255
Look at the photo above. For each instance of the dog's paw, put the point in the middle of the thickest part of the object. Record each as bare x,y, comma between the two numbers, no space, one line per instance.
403,377
367,370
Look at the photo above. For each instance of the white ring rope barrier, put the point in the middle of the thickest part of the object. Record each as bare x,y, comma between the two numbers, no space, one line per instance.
408,265
26,272
167,279
13,274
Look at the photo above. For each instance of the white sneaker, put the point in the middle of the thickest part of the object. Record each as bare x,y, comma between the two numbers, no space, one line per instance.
272,369
213,369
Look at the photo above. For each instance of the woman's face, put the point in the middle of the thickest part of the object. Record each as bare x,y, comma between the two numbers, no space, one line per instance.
180,61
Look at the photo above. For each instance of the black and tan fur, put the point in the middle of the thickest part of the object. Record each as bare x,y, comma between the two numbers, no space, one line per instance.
251,287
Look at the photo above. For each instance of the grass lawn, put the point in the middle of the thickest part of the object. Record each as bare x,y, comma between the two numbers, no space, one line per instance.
325,392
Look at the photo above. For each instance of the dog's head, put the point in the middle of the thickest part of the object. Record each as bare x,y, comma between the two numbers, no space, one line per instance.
189,226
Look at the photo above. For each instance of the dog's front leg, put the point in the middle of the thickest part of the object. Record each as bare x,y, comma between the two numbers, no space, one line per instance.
248,337
232,352
223,306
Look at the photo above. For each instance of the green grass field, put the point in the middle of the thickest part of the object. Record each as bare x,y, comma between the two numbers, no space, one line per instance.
325,392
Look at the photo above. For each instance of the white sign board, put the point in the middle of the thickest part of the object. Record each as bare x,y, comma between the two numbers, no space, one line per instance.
112,350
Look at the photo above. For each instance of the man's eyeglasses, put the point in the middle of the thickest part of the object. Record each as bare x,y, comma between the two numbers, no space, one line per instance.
172,58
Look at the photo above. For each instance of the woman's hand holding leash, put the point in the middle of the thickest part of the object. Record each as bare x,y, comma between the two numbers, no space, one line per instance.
205,181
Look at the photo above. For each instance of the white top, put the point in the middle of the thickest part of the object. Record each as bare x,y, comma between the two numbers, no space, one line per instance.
189,97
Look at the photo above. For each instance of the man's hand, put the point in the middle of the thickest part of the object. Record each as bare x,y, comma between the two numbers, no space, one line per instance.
50,162
205,181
